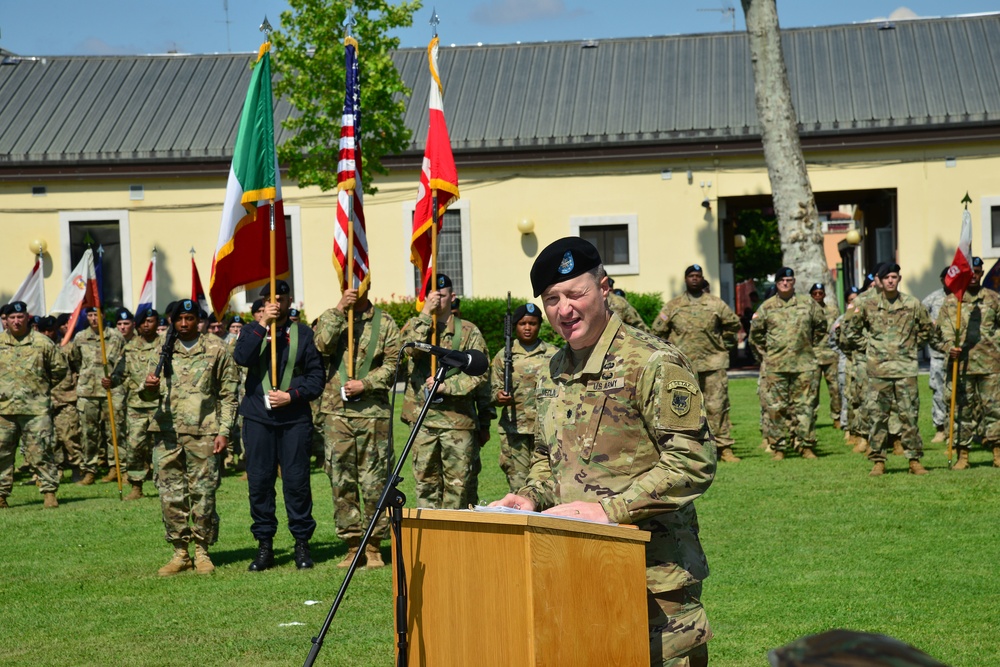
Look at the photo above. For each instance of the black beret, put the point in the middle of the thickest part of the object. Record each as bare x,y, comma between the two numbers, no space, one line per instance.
619,292
257,305
887,268
563,260
17,307
123,314
784,272
4,309
944,272
234,319
977,262
876,269
869,279
771,291
163,322
145,314
853,290
526,309
212,319
694,268
62,319
36,319
47,323
169,311
280,287
293,312
187,306
817,287
90,309
456,304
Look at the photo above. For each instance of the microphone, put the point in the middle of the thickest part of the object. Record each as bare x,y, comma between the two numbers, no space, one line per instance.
470,362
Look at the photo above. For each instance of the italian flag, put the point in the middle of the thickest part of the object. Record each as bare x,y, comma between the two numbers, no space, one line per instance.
242,254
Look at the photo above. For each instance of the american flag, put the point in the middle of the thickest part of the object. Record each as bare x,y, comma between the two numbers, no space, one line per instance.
350,206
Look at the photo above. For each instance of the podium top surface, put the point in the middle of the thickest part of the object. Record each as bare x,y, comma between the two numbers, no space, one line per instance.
531,520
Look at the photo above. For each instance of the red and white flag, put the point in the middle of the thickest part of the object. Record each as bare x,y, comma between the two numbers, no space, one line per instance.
147,295
32,290
438,173
350,203
197,291
960,272
79,292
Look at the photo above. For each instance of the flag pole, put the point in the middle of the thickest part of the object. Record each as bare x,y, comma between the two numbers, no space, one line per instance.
111,404
434,271
274,299
350,283
153,303
954,381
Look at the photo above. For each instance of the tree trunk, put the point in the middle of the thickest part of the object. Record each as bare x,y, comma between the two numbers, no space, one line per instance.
794,205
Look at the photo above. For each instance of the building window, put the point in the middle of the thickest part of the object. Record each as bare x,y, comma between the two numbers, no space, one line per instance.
616,238
454,247
108,234
995,226
990,226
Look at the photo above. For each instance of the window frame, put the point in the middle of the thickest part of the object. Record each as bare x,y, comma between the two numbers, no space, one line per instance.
987,206
465,218
576,223
124,238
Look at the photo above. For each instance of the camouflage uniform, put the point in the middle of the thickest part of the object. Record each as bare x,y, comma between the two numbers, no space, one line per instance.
196,402
517,421
620,306
65,418
356,433
92,398
444,450
29,368
626,427
786,331
891,332
141,358
978,393
939,363
485,414
704,328
827,359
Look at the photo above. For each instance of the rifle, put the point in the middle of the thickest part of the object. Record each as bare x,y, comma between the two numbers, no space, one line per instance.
508,354
166,351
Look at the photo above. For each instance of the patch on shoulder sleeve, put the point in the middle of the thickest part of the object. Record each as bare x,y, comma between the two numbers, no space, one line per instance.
681,400
681,394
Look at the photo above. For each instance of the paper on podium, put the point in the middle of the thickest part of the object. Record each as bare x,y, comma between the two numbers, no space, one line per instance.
511,510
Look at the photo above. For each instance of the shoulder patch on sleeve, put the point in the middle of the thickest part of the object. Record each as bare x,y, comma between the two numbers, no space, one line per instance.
681,402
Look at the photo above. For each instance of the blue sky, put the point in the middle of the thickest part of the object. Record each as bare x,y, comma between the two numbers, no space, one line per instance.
95,27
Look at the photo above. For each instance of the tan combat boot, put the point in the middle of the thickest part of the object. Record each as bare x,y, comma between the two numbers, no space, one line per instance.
50,501
963,459
202,563
939,437
3,503
897,445
353,546
996,457
136,492
861,446
374,557
112,476
726,454
777,455
808,453
181,561
878,470
916,468
836,424
88,479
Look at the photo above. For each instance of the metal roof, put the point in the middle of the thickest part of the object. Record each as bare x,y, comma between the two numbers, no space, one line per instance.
918,74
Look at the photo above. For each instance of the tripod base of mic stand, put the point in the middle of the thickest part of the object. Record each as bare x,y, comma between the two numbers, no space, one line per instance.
396,504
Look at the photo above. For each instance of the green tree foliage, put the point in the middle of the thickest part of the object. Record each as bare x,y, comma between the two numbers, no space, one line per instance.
647,304
762,253
309,61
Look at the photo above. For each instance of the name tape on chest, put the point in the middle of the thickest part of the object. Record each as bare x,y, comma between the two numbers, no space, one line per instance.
606,385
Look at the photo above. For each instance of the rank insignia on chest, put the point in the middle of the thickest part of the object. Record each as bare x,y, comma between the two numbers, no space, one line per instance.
680,396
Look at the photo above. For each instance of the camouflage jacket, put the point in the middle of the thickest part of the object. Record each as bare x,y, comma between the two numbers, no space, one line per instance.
626,427
785,333
527,366
620,306
825,354
141,359
979,336
703,328
85,358
331,341
933,302
890,333
198,396
64,393
457,410
29,369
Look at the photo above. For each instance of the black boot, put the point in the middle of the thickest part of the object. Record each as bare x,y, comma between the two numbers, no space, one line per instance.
303,560
265,556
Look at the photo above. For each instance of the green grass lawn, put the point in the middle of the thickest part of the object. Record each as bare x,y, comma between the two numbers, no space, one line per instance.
796,547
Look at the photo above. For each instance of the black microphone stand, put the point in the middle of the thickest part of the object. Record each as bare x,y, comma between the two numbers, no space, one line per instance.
394,498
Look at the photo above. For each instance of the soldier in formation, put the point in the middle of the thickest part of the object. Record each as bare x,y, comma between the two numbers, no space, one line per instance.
826,356
937,380
142,354
704,328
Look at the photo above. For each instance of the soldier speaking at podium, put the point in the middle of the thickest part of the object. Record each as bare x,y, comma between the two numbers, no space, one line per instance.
277,424
621,436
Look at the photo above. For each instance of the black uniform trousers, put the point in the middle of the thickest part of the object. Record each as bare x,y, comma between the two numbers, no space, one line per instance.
266,447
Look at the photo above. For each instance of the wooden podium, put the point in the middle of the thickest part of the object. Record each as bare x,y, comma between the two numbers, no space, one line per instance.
523,590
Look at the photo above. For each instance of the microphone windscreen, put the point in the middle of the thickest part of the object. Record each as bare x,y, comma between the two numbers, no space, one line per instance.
478,363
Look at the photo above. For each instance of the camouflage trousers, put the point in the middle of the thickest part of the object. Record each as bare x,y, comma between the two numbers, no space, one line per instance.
138,446
897,396
515,457
715,387
187,476
678,628
357,460
765,422
829,373
95,432
67,451
977,410
443,467
938,382
857,379
36,432
790,409
842,386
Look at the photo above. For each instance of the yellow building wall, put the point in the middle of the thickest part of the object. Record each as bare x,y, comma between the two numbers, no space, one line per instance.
674,230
